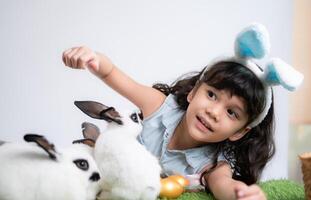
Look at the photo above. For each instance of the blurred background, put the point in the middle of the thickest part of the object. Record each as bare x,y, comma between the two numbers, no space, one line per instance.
152,41
300,107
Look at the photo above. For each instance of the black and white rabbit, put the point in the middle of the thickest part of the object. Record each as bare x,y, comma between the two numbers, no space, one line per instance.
31,171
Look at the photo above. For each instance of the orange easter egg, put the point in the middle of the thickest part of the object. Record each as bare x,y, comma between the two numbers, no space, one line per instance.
170,188
180,179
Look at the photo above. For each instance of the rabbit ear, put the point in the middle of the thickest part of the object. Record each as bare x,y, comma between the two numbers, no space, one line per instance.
88,142
99,111
91,108
42,142
278,72
252,42
90,131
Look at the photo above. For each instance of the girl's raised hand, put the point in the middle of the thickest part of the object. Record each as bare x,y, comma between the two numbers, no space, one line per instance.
252,192
83,57
80,58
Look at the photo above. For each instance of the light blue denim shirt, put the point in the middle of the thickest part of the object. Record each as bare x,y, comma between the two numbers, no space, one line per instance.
156,134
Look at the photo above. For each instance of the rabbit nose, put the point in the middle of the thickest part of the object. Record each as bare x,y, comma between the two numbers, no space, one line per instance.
95,177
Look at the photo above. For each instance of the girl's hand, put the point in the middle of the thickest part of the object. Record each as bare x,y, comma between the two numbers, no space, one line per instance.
83,57
252,192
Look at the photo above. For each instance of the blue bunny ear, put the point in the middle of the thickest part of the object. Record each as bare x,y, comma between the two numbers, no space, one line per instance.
278,72
252,42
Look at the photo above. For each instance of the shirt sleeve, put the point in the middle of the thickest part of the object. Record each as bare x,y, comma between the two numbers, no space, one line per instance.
168,103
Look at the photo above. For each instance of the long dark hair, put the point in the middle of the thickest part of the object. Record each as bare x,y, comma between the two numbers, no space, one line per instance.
248,155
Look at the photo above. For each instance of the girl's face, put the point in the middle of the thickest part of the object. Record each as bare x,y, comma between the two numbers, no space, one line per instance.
215,115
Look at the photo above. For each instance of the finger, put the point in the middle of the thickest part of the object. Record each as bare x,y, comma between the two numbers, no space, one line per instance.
239,190
73,57
259,196
251,191
76,59
250,198
69,57
65,55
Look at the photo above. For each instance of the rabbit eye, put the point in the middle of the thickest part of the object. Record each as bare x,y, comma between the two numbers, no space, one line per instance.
82,164
134,117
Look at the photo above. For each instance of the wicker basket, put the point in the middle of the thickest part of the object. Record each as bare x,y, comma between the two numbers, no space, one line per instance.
306,172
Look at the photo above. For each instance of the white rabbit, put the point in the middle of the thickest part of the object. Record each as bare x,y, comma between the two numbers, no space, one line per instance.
128,170
38,172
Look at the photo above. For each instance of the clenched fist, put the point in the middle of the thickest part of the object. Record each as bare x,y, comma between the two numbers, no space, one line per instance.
83,57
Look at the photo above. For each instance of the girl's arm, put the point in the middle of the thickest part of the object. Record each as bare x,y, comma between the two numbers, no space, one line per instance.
145,98
224,187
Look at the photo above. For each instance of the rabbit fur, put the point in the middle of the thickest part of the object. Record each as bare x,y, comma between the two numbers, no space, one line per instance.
129,171
36,172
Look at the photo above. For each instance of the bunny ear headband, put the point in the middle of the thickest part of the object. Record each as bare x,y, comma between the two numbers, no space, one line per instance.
253,43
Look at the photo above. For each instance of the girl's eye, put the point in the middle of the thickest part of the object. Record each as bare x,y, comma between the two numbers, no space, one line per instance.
232,113
211,94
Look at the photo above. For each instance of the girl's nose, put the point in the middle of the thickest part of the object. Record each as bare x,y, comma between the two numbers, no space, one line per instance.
214,112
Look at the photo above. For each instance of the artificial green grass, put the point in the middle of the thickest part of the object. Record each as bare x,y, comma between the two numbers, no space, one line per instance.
274,190
283,189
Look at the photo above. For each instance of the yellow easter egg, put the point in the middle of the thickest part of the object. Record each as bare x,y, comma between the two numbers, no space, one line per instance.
180,179
170,188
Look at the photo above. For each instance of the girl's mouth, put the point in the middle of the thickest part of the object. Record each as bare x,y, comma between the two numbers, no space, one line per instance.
205,123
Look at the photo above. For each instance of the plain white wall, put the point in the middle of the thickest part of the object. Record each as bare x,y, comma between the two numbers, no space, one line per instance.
150,40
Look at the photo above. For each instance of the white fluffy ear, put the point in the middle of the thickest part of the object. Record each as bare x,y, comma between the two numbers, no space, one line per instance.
278,72
252,42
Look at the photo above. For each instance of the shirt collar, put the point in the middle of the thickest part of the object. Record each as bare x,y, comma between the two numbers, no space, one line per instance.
171,119
194,156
